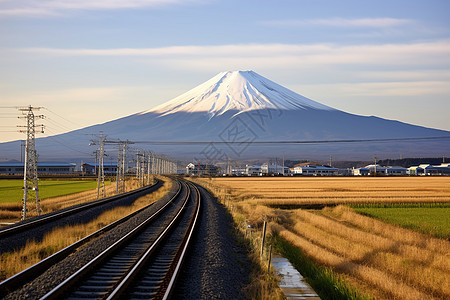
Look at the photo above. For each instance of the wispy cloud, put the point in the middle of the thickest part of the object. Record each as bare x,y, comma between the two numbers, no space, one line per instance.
58,7
281,55
341,22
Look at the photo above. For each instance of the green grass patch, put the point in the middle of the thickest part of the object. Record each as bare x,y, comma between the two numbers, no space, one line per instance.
326,283
12,190
432,219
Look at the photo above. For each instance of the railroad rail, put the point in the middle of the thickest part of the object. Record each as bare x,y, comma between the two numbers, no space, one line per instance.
143,263
34,271
21,227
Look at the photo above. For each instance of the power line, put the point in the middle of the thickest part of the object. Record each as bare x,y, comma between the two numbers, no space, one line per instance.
291,142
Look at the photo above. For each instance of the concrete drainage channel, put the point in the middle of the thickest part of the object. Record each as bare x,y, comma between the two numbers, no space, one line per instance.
292,282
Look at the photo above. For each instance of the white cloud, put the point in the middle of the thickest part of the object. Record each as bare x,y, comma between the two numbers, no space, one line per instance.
341,22
434,54
57,7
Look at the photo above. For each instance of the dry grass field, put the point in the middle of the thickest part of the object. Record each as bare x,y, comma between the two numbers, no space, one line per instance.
384,260
338,190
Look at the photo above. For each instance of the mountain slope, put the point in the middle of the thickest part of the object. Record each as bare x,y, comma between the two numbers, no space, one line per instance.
235,109
239,90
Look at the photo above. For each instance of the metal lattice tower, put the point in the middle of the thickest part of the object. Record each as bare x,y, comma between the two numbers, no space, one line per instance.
101,173
30,175
120,173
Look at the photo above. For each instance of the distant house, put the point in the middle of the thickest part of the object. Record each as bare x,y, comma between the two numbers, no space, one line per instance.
415,170
253,170
390,171
239,172
361,172
90,169
200,169
268,169
313,170
376,169
42,168
442,169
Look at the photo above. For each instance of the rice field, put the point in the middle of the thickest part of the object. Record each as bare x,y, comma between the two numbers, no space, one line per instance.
11,190
384,260
432,220
338,190
75,194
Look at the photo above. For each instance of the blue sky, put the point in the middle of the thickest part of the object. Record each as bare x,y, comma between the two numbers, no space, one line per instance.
91,61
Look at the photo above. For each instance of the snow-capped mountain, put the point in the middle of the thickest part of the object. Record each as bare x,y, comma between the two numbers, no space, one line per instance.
231,113
240,91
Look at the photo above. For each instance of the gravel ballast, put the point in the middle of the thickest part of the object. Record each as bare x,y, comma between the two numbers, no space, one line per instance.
216,266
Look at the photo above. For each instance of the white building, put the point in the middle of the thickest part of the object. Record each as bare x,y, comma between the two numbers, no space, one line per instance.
395,171
42,168
427,169
274,169
312,170
251,170
361,172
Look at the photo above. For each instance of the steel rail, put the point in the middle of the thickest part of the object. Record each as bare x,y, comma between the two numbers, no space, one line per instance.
100,259
187,241
47,219
19,279
164,265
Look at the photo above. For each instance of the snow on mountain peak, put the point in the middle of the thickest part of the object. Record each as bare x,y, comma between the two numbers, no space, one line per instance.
239,91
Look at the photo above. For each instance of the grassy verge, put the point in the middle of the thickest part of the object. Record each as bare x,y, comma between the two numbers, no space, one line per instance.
327,284
429,219
263,284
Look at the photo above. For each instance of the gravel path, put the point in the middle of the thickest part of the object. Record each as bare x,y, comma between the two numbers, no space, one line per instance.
57,273
216,266
19,240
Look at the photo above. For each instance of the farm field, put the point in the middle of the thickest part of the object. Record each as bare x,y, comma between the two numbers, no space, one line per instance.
338,190
431,220
54,195
375,257
11,190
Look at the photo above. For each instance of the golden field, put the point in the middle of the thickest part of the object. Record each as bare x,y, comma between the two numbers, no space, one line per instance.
384,260
337,190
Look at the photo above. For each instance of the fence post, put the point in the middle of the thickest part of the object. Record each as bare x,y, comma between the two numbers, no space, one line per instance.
263,238
270,259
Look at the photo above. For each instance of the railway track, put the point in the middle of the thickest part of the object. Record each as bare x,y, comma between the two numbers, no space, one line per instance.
144,262
29,274
46,219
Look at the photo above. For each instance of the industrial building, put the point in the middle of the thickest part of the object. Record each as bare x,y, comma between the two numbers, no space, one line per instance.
313,170
42,168
428,170
199,169
90,169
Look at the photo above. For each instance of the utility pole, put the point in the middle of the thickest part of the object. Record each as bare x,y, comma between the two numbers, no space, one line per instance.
101,173
148,167
375,158
120,168
30,175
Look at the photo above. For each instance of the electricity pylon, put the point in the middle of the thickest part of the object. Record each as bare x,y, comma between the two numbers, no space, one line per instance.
120,188
30,175
101,173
